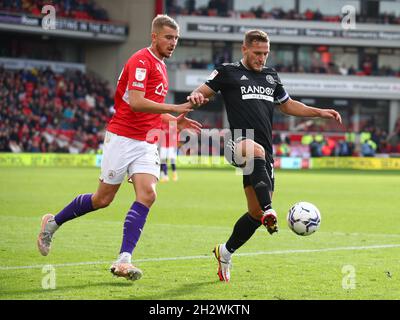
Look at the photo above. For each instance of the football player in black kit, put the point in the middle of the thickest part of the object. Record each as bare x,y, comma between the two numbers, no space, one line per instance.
250,92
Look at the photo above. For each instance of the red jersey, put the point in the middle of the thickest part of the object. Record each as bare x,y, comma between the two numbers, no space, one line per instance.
144,72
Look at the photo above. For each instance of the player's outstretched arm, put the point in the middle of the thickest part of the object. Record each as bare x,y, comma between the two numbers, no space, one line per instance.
183,122
138,102
200,95
299,109
186,123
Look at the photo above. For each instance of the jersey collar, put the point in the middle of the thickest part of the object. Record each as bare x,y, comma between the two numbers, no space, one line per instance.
244,66
151,52
242,63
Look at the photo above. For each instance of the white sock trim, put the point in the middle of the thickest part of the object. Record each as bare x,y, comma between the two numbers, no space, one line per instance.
51,226
226,255
125,257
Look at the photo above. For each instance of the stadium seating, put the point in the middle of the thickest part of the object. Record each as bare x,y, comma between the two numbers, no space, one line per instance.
41,111
330,68
74,9
219,8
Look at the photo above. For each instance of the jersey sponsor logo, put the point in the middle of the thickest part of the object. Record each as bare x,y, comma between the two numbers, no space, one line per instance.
160,90
138,84
140,74
257,92
212,75
256,89
270,79
257,97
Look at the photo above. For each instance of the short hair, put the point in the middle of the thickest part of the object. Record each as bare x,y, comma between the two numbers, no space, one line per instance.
255,35
162,20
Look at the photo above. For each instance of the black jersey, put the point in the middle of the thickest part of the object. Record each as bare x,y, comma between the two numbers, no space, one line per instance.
249,97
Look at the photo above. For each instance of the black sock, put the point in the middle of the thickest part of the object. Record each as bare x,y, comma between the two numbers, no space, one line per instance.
261,183
242,231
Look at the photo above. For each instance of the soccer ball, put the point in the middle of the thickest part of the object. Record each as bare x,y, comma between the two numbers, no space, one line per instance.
304,218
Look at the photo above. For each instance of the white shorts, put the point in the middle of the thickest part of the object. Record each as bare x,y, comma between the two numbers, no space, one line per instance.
168,153
122,155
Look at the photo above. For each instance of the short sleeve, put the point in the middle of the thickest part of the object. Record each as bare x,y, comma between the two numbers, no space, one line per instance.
215,79
280,94
138,69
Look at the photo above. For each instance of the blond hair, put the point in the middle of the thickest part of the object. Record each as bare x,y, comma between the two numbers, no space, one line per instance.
255,35
162,20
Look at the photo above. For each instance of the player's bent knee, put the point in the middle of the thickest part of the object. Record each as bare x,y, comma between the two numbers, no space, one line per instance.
147,198
259,151
103,202
251,148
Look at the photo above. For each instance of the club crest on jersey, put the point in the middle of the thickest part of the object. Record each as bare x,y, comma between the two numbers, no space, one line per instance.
140,74
270,79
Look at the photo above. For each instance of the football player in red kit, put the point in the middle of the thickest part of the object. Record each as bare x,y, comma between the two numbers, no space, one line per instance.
129,144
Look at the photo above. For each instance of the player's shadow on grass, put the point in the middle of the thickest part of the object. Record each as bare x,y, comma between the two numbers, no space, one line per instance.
61,289
177,293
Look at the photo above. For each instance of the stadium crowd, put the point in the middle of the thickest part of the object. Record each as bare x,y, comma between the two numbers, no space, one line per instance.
41,111
220,8
74,9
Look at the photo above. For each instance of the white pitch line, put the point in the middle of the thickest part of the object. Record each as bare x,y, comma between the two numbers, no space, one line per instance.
169,225
245,254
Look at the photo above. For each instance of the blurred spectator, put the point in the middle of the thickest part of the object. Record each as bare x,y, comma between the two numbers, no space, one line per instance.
328,147
367,66
343,70
379,137
368,148
315,149
394,138
258,12
218,7
342,149
283,150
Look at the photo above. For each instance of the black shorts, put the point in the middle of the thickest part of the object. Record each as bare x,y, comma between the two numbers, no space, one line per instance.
270,171
229,155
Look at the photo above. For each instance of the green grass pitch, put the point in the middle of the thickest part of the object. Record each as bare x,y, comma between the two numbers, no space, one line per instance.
354,255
